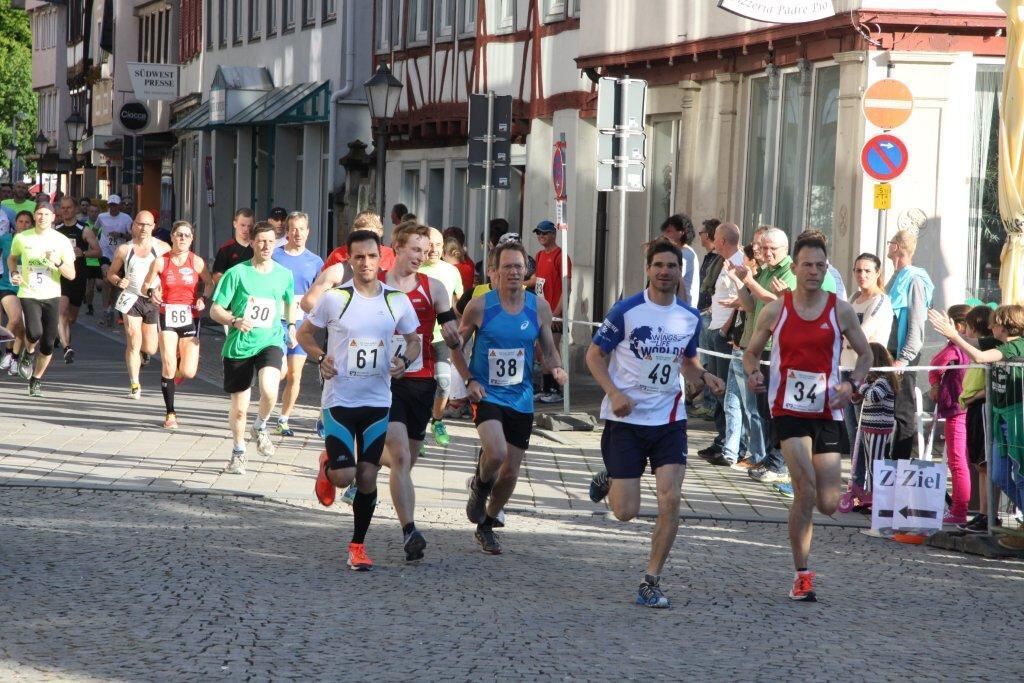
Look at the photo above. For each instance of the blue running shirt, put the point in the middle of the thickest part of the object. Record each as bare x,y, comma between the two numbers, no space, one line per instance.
503,353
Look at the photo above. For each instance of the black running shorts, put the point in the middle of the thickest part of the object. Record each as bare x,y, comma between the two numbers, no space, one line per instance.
827,436
238,372
412,402
518,427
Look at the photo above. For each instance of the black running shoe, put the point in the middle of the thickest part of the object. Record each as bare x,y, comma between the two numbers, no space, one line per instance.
476,506
600,484
69,355
414,545
488,541
89,310
145,358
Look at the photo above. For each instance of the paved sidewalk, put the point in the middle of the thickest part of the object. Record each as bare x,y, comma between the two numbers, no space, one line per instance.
87,433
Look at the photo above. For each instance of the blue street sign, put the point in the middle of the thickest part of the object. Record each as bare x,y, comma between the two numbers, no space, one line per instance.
884,157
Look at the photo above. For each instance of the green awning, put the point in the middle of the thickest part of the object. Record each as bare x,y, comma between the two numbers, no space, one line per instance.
196,119
301,103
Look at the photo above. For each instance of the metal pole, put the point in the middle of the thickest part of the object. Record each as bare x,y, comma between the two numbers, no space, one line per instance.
992,493
880,241
489,138
74,169
382,142
622,133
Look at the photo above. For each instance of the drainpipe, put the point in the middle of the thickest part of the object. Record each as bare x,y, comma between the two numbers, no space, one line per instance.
336,97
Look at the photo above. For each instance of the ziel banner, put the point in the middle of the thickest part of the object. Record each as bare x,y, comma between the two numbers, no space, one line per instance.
780,11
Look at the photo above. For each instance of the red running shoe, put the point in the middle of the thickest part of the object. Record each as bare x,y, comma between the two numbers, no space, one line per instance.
358,560
325,490
803,587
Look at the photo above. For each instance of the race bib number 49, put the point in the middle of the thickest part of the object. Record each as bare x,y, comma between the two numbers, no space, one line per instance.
366,357
261,312
805,391
505,367
399,346
659,373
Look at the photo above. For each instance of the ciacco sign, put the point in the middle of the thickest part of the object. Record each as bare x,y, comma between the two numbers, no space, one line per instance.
780,11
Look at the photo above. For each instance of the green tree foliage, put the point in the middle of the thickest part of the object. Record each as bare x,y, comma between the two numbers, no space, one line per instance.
17,99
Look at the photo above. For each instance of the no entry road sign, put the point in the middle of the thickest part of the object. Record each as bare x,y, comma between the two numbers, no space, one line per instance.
884,157
888,103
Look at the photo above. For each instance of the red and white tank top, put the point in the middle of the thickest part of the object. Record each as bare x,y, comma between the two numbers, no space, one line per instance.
179,285
805,362
422,367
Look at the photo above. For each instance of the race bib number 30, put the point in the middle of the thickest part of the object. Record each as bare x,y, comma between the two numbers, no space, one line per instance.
505,367
659,373
399,346
805,391
366,357
261,312
177,315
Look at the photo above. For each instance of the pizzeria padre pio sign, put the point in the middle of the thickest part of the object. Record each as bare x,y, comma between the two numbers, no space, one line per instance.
780,11
154,81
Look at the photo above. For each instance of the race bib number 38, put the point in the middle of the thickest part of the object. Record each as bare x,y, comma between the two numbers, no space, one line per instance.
261,312
659,373
805,391
505,367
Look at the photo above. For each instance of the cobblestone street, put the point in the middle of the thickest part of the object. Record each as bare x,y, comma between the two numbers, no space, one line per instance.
130,586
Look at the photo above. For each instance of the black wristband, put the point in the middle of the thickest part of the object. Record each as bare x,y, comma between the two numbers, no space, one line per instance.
446,317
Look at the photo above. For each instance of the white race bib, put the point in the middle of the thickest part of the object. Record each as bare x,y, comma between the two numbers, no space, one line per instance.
366,357
805,391
260,312
505,367
659,373
399,346
177,315
38,275
125,302
538,289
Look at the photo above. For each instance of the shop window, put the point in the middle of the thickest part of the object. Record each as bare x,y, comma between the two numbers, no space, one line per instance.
411,190
444,19
663,172
435,198
254,19
467,18
986,232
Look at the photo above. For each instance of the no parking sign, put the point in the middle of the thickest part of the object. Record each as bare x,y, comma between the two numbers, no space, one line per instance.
884,157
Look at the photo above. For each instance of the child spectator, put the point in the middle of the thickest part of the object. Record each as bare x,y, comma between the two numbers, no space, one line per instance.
877,421
1005,391
972,397
946,386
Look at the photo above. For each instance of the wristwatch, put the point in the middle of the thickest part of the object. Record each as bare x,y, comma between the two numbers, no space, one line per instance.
405,360
320,358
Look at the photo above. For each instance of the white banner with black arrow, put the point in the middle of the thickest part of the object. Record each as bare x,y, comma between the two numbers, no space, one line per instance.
920,495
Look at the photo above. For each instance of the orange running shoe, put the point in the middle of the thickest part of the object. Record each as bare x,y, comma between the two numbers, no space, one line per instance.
358,560
803,587
325,490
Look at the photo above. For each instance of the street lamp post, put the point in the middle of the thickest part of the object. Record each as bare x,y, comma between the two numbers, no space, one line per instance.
74,125
382,93
12,156
41,142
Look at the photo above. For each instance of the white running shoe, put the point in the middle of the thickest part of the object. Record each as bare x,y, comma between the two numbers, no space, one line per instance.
264,445
135,392
5,364
237,463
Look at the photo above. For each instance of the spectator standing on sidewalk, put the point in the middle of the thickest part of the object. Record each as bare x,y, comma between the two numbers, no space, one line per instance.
910,293
678,230
972,398
710,267
727,245
548,285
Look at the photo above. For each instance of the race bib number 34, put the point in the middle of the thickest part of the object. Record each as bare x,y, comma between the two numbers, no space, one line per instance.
261,312
805,391
366,357
505,367
659,373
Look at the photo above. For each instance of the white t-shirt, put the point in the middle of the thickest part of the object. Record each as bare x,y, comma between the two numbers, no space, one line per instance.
647,343
447,274
359,339
724,288
115,231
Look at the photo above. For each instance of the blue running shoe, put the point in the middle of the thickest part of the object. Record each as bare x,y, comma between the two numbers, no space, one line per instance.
599,486
650,595
320,428
783,489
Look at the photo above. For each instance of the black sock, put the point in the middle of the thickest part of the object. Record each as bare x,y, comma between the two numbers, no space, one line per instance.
362,511
547,383
652,580
409,528
801,569
167,387
488,523
34,380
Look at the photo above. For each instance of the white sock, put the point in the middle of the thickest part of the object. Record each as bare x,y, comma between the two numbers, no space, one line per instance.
239,447
260,423
282,420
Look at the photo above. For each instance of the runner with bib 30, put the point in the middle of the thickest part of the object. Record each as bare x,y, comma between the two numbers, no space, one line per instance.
806,393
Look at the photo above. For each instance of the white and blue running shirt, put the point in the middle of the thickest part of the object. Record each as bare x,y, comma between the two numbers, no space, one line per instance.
647,343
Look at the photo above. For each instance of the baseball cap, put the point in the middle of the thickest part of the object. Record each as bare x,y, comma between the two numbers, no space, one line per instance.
114,199
279,213
545,226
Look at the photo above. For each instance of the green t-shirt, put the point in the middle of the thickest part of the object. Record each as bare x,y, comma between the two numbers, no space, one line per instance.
259,297
39,254
92,261
27,205
782,270
828,283
1007,382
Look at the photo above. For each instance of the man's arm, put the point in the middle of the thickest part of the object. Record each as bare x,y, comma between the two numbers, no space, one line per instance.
696,374
116,265
472,317
445,314
331,277
850,326
755,347
917,314
94,244
552,360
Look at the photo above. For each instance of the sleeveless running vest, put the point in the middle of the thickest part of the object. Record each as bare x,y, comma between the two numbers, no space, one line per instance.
503,353
425,313
805,362
74,233
179,284
136,268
